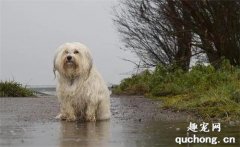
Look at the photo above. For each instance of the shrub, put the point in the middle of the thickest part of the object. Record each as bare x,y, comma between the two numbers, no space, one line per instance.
14,89
135,85
205,90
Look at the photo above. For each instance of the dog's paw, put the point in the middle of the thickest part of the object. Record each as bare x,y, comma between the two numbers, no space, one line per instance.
91,118
71,118
60,116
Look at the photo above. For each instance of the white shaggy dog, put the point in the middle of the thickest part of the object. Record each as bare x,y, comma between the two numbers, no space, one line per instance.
82,93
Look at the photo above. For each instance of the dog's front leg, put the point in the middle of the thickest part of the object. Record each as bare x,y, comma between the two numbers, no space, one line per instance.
91,113
71,116
69,112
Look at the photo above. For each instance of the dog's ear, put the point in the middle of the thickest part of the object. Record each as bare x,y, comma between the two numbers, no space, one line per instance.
54,65
87,63
90,62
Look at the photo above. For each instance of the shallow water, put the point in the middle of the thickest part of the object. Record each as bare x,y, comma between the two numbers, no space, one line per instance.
19,127
101,134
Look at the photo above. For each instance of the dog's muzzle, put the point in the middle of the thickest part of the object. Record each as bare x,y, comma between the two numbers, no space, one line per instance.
69,60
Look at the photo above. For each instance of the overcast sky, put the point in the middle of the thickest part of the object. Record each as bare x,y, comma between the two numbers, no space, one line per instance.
31,30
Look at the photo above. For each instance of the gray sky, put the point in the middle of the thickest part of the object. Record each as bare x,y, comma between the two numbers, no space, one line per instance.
31,30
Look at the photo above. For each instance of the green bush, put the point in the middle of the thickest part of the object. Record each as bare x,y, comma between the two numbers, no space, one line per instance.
204,90
14,89
135,85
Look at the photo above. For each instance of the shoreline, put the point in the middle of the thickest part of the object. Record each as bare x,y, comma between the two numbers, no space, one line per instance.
171,111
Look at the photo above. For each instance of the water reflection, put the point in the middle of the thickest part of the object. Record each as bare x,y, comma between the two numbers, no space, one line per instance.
25,124
89,134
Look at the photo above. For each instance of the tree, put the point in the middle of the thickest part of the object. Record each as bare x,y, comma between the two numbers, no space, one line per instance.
172,31
151,35
218,25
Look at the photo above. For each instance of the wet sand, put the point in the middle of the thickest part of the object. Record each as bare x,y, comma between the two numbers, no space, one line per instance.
135,121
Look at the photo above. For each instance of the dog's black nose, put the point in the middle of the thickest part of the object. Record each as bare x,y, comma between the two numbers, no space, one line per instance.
69,57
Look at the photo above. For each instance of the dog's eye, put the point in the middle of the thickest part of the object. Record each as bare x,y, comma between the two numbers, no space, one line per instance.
66,52
76,52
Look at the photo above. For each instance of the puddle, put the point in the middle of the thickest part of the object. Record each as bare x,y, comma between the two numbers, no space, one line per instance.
101,134
21,128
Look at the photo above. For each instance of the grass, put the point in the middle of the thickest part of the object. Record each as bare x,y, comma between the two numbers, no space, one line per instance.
205,91
14,89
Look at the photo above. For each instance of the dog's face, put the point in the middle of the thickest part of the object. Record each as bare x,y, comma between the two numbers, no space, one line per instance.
73,60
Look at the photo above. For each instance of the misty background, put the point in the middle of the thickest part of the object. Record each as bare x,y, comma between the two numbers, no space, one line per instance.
31,30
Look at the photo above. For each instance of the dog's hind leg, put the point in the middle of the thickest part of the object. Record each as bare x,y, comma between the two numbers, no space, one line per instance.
103,111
